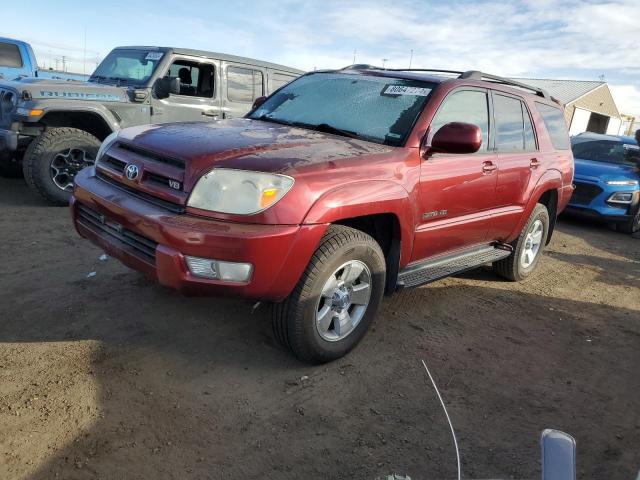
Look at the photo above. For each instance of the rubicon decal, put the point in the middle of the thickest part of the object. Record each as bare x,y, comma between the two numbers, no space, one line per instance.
103,97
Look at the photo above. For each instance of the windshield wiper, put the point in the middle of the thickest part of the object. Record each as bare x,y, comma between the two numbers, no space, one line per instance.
265,118
326,128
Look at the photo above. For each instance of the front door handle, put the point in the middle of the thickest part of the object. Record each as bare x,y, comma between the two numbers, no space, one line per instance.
488,167
211,113
534,163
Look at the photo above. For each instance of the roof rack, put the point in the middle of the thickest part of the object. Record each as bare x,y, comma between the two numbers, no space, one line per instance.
468,75
476,75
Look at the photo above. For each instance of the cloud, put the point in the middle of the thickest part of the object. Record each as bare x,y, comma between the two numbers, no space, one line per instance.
627,97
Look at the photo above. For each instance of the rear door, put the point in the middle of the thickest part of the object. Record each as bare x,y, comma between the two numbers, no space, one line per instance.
242,85
519,162
457,192
199,97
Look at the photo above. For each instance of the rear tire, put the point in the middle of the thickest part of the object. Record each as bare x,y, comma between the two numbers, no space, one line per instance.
311,321
525,257
52,160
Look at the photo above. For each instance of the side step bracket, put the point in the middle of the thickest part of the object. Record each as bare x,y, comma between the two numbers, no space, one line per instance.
445,266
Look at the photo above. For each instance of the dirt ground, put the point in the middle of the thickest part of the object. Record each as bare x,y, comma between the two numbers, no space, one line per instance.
113,377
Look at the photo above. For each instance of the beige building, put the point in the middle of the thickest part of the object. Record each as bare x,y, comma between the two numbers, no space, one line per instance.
589,105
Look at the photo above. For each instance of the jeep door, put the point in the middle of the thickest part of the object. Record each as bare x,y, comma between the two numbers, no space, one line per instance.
242,84
199,97
519,162
456,191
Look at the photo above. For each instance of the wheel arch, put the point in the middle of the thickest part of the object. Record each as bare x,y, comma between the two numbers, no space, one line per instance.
92,121
380,209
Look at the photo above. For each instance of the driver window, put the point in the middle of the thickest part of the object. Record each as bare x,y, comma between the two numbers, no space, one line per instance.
196,79
468,106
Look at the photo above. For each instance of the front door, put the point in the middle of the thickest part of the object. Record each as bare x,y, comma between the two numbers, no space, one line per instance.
457,192
199,97
243,84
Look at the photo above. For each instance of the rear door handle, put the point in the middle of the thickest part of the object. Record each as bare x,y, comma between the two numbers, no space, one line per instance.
488,167
534,163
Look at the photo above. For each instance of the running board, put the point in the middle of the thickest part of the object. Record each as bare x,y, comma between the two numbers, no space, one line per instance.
435,269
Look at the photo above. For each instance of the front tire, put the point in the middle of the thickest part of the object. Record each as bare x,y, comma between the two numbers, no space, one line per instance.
336,300
52,160
527,248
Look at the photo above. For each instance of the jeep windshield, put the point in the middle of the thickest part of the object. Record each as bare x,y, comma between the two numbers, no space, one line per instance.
609,151
376,109
127,67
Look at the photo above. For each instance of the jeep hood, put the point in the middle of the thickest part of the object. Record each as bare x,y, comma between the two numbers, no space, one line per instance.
246,144
47,89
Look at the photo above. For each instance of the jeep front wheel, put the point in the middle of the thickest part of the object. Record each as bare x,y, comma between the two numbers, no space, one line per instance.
336,299
53,159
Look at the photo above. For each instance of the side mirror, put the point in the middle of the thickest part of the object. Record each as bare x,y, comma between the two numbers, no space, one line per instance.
166,86
456,137
258,101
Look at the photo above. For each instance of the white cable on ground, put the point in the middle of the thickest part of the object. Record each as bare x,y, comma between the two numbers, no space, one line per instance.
453,433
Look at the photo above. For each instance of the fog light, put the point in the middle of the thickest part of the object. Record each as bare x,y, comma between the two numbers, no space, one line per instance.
621,197
218,269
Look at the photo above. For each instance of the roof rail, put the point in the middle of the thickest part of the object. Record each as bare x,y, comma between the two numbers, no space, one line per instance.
468,75
476,75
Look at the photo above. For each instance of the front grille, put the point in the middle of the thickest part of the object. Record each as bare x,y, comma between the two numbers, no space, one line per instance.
105,227
172,207
8,101
585,192
174,162
114,163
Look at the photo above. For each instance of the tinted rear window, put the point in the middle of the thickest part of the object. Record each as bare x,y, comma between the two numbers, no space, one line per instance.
10,55
556,126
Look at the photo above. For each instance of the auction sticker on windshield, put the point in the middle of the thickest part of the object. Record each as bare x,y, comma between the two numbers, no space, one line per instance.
154,56
402,90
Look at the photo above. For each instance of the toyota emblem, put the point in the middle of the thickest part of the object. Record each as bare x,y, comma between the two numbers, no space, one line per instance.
131,172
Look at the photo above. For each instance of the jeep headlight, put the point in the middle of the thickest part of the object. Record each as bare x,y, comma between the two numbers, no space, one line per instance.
238,192
106,143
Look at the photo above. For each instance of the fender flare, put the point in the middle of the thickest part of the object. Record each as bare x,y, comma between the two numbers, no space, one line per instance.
98,110
364,198
550,180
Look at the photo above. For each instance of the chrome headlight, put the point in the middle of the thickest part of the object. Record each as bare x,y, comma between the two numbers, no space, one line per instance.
106,143
238,192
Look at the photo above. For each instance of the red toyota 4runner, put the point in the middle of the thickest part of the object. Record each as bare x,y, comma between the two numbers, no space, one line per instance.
339,187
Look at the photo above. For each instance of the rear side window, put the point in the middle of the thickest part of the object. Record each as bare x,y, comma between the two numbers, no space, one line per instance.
469,106
244,84
279,79
10,55
556,126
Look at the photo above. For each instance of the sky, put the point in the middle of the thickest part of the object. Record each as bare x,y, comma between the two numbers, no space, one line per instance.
572,39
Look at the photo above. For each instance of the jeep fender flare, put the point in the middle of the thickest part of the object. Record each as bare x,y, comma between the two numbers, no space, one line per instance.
550,180
364,198
100,111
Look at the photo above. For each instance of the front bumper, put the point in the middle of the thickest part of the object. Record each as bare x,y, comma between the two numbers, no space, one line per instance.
153,240
8,140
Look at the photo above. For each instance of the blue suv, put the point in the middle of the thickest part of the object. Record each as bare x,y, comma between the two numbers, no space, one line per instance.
606,179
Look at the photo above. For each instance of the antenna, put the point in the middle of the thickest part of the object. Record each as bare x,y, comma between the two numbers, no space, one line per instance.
453,433
384,60
411,58
354,56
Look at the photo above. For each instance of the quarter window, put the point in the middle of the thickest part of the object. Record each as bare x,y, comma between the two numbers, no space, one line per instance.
244,84
10,55
556,125
469,106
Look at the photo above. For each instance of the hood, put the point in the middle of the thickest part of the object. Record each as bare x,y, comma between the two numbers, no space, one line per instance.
603,171
246,144
44,88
